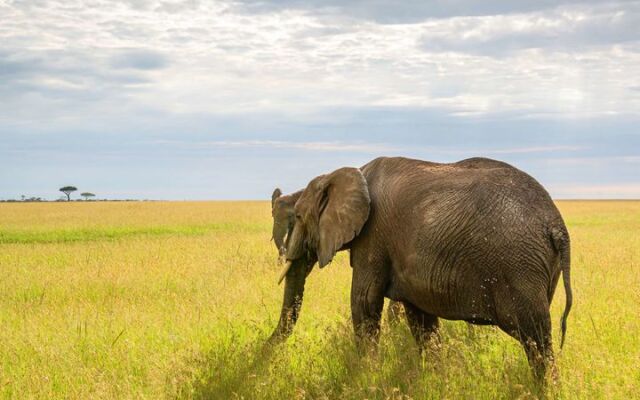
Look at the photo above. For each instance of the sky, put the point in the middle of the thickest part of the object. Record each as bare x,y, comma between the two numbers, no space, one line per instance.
199,100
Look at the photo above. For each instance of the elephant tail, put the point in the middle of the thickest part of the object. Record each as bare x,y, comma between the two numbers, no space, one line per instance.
561,242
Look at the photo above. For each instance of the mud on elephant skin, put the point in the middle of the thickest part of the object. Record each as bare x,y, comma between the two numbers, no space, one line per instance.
477,240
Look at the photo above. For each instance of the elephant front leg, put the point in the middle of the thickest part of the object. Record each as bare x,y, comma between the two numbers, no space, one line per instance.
367,300
394,312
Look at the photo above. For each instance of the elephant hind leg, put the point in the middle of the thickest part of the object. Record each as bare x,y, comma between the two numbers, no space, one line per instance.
539,353
424,327
530,323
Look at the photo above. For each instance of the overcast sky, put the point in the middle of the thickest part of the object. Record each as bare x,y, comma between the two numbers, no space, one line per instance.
226,100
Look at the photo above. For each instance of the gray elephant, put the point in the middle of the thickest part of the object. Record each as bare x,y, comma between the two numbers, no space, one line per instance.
477,240
283,214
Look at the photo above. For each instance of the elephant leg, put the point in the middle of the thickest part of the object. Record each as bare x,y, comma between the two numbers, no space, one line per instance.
424,327
394,312
530,324
367,301
535,337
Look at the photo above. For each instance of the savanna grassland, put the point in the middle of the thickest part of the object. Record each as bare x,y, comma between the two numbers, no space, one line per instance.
174,299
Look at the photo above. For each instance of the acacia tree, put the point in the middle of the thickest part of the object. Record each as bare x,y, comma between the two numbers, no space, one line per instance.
68,190
87,195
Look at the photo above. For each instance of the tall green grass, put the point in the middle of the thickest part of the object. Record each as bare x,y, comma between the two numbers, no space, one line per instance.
175,300
112,233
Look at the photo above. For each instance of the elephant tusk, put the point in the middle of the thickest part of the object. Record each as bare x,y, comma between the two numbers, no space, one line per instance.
286,268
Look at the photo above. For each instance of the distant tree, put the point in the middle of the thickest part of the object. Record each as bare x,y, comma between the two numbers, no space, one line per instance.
23,197
87,195
68,190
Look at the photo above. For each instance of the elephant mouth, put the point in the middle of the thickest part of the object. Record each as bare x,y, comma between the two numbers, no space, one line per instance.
295,250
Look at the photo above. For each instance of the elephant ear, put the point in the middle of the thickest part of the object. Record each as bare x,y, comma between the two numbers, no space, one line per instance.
344,208
274,196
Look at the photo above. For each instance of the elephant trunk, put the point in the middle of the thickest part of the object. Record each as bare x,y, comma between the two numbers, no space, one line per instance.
293,291
279,235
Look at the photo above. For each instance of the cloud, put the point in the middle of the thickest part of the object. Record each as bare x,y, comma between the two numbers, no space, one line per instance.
227,83
563,28
567,61
401,12
139,59
334,146
362,147
58,88
13,68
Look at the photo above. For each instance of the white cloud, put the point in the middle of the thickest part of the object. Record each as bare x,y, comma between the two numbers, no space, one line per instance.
334,146
363,147
204,57
523,81
408,11
136,59
569,28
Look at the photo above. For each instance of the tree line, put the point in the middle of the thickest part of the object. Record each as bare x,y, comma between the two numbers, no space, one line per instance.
67,190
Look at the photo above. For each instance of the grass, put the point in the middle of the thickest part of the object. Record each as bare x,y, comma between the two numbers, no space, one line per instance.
152,300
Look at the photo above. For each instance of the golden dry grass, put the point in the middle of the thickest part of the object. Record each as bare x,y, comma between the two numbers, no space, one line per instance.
173,299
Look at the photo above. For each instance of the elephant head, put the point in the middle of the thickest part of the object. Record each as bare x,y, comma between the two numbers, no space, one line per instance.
329,214
282,211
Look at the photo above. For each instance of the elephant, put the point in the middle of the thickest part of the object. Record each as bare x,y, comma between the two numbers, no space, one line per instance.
283,214
476,240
